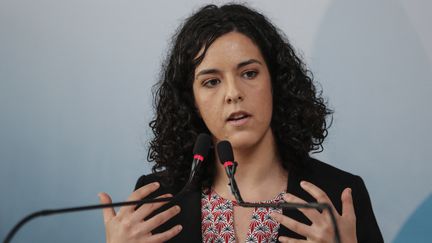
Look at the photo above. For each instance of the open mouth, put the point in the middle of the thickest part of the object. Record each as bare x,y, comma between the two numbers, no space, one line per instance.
238,117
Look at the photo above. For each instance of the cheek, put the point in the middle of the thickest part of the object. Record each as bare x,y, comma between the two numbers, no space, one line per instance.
265,103
268,110
208,109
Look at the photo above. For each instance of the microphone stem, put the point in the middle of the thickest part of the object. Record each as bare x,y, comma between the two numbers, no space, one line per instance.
235,191
74,209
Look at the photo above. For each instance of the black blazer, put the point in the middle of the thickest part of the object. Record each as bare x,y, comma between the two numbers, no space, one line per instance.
330,179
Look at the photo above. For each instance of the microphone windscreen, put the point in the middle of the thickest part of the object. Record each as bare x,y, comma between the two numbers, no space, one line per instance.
225,151
202,145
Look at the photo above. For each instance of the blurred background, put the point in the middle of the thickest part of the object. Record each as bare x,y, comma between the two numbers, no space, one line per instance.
75,102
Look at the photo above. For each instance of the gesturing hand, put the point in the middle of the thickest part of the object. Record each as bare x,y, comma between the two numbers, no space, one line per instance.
128,225
321,229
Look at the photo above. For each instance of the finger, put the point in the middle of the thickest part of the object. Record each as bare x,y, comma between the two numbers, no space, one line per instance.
108,213
310,213
146,209
137,195
284,239
165,236
347,204
160,218
299,228
317,193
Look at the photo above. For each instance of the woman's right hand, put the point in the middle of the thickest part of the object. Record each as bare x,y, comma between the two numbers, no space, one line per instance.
128,224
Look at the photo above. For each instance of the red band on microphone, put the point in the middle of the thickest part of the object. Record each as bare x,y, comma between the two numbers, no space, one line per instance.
228,163
198,157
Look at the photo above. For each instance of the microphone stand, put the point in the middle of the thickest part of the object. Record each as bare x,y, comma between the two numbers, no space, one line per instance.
75,209
200,150
230,170
91,207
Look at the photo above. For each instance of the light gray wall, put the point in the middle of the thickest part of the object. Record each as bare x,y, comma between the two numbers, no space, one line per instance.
75,100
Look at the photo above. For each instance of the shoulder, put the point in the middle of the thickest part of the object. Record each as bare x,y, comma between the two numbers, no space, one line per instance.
333,181
319,172
146,179
314,165
329,179
154,177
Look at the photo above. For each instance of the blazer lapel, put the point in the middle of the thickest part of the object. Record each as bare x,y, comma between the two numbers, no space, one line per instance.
189,217
294,188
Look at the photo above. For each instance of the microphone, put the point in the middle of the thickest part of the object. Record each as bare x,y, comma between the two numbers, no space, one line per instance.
226,156
200,151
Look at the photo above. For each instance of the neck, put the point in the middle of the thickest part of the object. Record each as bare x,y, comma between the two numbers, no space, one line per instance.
259,175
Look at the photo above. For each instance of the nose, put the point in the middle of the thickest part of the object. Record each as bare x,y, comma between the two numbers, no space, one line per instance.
234,92
235,99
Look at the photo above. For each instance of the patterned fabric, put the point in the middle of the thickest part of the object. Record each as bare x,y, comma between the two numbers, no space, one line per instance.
217,217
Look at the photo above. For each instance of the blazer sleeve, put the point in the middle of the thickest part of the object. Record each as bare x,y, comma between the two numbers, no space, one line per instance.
366,224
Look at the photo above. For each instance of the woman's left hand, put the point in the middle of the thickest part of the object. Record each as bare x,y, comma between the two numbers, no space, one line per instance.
321,229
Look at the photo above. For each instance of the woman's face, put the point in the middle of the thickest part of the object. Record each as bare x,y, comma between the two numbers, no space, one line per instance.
232,91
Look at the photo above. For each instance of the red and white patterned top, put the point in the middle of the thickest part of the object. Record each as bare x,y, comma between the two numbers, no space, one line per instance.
217,220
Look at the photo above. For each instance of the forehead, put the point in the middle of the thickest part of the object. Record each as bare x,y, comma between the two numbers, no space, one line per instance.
230,48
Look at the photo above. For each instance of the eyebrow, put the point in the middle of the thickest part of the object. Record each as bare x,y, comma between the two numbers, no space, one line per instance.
213,70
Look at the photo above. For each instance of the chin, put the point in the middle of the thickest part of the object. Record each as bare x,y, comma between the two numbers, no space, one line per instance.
244,140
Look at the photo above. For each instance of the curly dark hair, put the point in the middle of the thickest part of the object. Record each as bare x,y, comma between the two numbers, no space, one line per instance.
299,111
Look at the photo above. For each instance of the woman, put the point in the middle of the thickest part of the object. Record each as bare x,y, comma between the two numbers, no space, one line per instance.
233,75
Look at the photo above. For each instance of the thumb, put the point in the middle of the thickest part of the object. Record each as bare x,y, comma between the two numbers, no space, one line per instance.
108,213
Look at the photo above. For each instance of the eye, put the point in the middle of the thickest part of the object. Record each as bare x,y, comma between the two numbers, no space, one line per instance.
210,83
250,74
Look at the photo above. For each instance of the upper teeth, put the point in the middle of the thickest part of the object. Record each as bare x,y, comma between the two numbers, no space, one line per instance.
238,116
